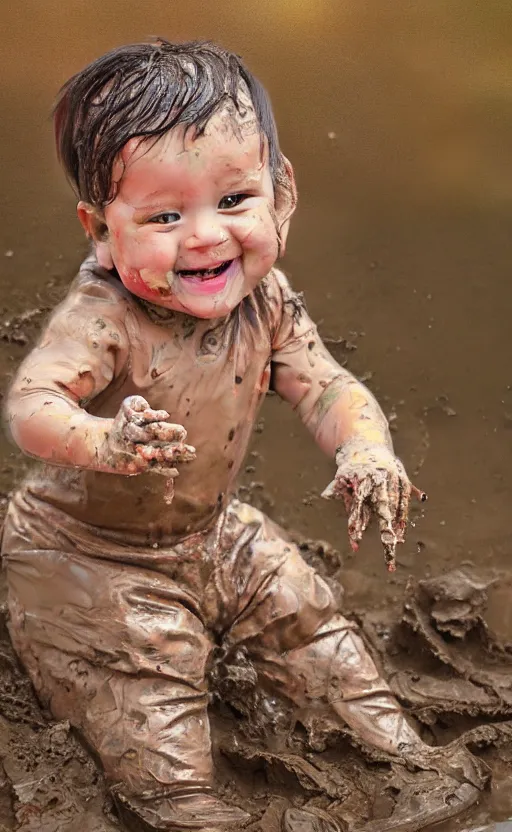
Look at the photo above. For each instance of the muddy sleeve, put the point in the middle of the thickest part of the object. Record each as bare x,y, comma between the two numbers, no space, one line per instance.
82,349
331,402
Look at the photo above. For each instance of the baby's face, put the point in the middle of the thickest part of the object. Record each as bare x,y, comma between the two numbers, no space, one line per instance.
193,226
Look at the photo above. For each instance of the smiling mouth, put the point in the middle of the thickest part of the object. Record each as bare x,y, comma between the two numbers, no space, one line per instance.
205,274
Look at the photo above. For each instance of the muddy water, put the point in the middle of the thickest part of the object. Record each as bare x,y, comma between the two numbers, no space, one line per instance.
398,119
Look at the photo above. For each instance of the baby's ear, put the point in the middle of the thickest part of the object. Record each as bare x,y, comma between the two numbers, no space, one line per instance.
285,201
96,229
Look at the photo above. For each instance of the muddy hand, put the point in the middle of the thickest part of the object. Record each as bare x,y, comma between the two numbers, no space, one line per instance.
142,439
371,480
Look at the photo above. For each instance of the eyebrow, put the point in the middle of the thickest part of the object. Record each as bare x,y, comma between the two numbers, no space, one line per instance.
235,181
231,181
156,206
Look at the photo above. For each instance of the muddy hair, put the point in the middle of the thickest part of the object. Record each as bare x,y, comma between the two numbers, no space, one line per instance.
144,90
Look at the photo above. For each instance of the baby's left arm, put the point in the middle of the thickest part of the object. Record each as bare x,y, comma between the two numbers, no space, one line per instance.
347,423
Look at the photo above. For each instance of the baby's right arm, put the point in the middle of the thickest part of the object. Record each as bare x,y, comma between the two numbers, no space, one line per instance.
75,360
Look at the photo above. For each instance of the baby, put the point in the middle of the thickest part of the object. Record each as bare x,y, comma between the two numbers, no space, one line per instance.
122,576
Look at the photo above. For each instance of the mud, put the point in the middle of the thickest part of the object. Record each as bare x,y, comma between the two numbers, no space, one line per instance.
398,123
446,664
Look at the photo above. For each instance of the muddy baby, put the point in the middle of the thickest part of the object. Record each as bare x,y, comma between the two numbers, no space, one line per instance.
122,576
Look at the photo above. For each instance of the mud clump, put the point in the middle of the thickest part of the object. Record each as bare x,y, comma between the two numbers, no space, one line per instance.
458,624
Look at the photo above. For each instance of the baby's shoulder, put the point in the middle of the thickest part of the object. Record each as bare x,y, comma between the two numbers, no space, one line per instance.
96,304
279,289
282,299
94,292
288,314
275,282
95,283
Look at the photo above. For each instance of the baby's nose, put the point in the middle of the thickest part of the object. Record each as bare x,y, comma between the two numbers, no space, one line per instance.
205,231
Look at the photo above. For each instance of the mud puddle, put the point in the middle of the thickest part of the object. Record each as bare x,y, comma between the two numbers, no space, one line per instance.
444,660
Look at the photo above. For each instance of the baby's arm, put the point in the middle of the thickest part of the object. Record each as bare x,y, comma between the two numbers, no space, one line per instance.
82,349
331,402
347,423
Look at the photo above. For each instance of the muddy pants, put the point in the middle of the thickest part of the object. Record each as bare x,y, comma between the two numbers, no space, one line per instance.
118,638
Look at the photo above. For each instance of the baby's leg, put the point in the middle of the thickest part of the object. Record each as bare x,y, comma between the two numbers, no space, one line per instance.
310,653
121,653
288,624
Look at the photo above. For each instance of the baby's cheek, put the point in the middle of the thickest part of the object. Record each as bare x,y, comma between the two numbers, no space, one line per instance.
137,255
143,285
142,268
132,280
258,235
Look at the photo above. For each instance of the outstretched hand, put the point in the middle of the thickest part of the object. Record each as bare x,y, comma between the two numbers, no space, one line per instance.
371,480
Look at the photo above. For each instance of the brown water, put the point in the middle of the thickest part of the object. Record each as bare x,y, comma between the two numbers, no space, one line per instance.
398,119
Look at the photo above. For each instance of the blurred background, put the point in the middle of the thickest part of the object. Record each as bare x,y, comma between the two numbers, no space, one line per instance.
398,120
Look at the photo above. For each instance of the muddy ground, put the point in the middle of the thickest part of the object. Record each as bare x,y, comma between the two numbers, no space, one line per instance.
397,118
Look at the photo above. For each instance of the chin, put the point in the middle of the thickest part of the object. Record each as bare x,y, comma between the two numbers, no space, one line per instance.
214,306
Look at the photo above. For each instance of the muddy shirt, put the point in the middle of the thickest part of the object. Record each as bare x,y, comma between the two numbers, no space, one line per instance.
102,344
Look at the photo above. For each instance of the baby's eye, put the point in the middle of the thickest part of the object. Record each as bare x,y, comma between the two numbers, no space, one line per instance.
165,218
232,200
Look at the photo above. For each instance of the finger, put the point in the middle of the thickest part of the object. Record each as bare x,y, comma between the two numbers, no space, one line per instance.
390,553
180,452
330,492
403,509
138,465
166,453
357,520
154,431
167,431
134,404
147,416
346,492
340,488
155,460
366,515
393,495
136,409
420,495
381,505
383,509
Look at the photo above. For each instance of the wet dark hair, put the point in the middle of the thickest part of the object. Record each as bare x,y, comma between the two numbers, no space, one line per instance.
146,89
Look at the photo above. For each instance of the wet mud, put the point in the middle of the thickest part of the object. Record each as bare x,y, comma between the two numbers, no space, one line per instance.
447,659
398,123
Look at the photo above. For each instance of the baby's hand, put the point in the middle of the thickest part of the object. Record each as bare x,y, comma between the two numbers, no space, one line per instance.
141,439
370,478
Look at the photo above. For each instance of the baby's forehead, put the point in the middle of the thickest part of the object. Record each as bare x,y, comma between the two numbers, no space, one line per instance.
232,131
